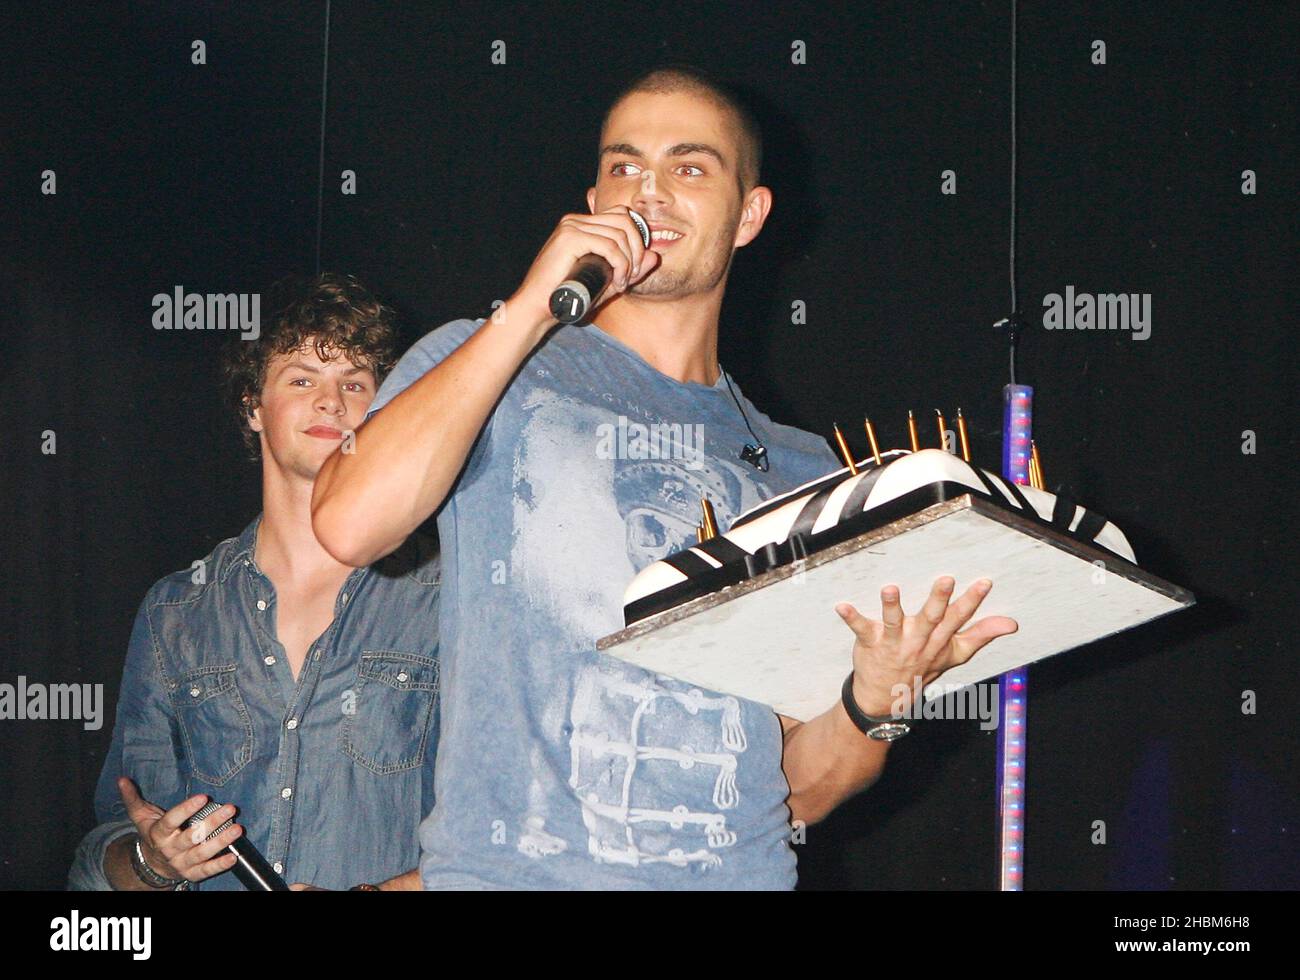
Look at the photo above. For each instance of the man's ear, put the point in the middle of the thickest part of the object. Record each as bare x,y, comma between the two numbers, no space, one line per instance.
591,199
254,421
753,214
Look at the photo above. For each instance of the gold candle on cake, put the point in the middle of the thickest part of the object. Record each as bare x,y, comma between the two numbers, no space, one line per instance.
871,437
845,453
961,434
710,525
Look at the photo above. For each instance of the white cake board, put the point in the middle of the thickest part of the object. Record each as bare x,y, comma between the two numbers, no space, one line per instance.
776,638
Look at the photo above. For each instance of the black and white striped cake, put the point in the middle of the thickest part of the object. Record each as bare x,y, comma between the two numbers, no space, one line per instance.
840,506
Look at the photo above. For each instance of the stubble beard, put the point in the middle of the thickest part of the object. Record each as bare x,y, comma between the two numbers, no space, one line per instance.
698,278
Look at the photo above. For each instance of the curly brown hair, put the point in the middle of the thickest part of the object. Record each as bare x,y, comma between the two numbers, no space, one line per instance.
332,313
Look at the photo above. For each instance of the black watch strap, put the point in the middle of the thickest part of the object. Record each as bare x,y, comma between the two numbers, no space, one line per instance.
881,729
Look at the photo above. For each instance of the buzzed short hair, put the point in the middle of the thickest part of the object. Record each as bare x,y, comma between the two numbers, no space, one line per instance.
688,78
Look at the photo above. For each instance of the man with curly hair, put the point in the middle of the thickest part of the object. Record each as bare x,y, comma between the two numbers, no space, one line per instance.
299,692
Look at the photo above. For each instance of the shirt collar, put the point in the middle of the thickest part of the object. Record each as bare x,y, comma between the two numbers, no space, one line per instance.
246,548
587,329
245,545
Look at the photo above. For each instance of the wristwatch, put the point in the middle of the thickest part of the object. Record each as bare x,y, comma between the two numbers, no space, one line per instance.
151,877
886,729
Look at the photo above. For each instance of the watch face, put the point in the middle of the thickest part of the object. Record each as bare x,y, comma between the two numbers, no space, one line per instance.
889,731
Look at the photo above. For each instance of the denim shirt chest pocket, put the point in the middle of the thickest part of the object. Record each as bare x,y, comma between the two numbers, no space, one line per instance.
386,719
214,722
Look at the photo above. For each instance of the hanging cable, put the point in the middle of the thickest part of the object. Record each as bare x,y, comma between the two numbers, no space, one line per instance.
1013,323
320,167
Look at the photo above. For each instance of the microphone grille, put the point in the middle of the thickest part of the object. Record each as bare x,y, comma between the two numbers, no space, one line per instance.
212,806
641,226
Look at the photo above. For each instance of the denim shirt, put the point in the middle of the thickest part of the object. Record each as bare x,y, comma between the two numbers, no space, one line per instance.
331,772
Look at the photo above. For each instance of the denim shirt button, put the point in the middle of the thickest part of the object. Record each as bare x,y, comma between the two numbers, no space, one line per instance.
286,792
291,724
279,867
344,597
402,676
195,692
261,605
269,660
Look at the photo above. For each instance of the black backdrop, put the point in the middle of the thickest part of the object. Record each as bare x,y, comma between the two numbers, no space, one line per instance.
205,176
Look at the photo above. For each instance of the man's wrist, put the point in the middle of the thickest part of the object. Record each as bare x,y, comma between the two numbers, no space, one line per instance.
145,872
520,313
880,728
871,701
116,864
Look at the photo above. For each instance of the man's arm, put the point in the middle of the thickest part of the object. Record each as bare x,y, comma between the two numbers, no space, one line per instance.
96,854
408,881
406,458
142,748
143,713
828,759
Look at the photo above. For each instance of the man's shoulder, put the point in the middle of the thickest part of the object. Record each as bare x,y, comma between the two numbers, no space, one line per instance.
187,585
797,438
421,357
443,339
795,455
792,438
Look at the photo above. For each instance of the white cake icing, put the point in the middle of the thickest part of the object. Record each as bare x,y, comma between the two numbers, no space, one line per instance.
901,473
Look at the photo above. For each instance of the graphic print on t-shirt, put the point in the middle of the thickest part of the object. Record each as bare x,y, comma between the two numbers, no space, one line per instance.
641,747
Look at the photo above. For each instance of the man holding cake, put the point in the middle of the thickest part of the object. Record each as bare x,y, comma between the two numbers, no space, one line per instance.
560,767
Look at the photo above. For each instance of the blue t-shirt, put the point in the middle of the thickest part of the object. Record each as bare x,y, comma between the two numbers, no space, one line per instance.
559,767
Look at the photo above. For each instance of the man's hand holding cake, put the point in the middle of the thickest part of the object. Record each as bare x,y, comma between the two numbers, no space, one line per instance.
891,652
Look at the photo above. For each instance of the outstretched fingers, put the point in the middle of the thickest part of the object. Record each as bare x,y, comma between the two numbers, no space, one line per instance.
959,613
865,629
969,642
891,613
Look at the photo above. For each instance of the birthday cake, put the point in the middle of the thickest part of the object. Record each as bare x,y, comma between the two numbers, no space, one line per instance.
843,505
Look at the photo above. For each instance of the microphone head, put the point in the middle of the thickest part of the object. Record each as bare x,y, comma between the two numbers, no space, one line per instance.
210,807
641,226
252,870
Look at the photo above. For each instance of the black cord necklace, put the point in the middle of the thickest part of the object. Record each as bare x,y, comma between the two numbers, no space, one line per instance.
754,453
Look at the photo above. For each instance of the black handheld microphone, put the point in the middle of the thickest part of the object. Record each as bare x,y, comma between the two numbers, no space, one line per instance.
591,273
250,867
